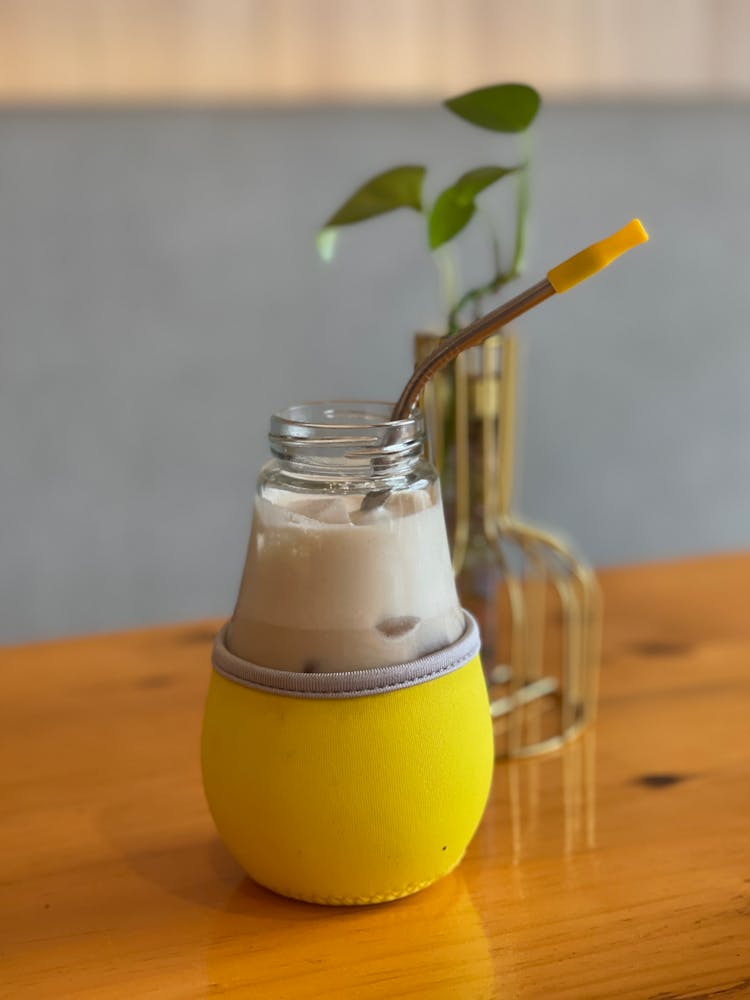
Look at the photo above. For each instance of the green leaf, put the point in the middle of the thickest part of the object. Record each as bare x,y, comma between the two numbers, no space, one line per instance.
456,205
505,107
325,242
449,215
400,187
471,183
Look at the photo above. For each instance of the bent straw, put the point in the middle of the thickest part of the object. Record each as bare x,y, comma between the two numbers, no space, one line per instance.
561,278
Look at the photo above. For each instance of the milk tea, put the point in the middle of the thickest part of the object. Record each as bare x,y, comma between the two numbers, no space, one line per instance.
330,587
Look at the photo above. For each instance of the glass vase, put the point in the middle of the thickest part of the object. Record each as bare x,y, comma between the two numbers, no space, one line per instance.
536,600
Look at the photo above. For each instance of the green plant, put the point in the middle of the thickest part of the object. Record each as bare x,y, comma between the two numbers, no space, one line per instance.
508,108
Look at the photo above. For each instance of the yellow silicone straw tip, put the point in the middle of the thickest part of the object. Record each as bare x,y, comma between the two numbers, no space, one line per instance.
596,257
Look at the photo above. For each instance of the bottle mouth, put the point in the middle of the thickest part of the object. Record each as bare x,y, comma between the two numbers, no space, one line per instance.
351,429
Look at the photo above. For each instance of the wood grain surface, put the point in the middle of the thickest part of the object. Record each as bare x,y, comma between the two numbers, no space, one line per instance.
619,868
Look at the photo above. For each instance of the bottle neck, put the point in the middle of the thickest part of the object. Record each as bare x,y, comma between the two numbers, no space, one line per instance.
485,405
345,443
483,506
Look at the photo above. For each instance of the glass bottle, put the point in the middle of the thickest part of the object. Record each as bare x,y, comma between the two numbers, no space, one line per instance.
348,564
347,748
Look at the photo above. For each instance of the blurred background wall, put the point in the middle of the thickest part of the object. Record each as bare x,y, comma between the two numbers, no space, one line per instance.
163,170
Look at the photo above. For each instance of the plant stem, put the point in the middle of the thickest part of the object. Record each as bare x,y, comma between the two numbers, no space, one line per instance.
447,273
474,295
500,277
522,208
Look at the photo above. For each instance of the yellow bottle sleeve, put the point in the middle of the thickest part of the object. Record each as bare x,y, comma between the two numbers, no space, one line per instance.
349,788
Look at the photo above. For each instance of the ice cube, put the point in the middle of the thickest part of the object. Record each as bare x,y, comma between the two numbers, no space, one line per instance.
401,504
364,516
324,510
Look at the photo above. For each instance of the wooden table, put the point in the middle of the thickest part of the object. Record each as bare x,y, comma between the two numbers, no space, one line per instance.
620,868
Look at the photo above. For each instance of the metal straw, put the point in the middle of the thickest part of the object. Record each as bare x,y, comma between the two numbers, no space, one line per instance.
571,272
468,336
448,349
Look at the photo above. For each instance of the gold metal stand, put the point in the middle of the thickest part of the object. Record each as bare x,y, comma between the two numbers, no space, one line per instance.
538,603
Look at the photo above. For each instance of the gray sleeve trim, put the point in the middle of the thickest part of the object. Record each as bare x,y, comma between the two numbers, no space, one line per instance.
350,683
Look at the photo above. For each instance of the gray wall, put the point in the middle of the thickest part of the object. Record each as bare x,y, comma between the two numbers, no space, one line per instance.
159,296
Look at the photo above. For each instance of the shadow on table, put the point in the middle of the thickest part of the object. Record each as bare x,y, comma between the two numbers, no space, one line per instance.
254,942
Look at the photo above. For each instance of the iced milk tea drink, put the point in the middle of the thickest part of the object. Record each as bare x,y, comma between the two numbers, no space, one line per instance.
347,745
